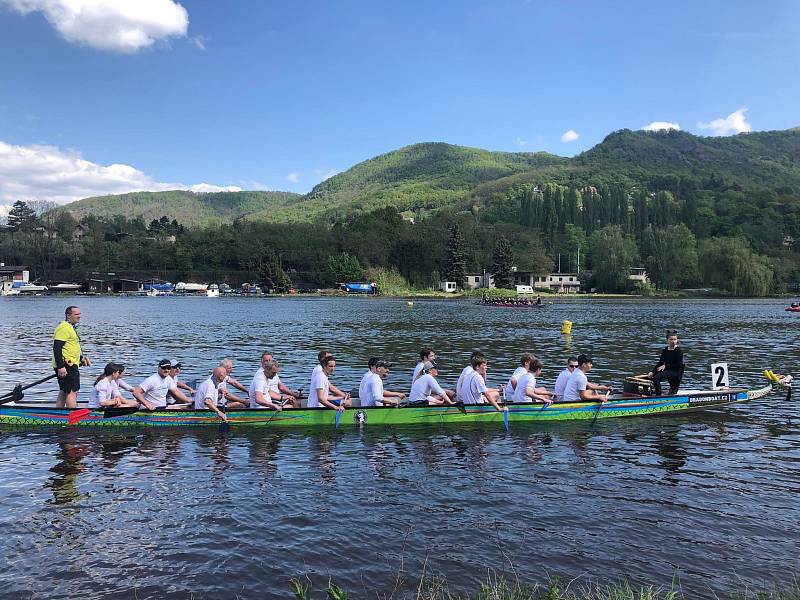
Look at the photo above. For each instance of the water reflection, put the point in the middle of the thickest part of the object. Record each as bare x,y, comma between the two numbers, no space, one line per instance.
64,484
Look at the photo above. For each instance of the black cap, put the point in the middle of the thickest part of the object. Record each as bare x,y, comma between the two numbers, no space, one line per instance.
164,363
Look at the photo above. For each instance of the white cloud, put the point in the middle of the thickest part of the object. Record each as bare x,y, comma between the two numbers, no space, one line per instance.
294,177
48,173
206,188
732,124
117,25
521,142
569,136
661,126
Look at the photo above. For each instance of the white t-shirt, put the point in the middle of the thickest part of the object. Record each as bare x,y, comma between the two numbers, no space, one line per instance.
575,385
260,383
426,385
561,383
525,383
102,390
417,371
362,385
319,381
373,391
274,383
519,372
460,383
206,391
473,388
155,389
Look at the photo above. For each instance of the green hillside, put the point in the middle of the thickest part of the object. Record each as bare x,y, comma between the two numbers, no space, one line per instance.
419,177
189,208
427,177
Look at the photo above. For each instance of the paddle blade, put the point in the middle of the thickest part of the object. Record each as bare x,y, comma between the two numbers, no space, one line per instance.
78,415
461,408
505,418
338,418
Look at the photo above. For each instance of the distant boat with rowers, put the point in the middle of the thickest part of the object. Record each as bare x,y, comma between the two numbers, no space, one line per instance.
622,405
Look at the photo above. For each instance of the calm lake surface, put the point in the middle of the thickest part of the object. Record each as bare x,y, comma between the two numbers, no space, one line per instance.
709,500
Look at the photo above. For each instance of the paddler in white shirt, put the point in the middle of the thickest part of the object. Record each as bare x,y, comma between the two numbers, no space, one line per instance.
322,392
233,401
427,389
152,392
474,389
525,365
374,393
425,355
207,395
465,373
526,390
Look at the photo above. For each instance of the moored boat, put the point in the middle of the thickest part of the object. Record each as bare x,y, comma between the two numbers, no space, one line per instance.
24,287
623,405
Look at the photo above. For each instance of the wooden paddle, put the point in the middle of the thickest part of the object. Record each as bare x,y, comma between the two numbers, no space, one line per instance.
599,406
16,394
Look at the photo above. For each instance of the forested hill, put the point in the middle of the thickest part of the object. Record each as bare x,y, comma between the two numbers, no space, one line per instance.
425,176
762,159
188,208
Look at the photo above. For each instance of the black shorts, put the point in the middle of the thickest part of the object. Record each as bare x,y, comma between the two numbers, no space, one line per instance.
71,382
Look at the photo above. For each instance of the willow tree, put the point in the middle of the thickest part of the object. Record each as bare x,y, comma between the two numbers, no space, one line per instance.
613,253
729,264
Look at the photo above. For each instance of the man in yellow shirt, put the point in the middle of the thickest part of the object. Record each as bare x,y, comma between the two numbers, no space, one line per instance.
67,357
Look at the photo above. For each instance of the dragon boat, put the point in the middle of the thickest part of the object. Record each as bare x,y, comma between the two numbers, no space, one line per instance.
622,405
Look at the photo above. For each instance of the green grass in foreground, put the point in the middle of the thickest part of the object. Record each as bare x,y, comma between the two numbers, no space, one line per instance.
500,589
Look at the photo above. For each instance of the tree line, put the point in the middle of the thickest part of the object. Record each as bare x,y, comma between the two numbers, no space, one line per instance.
730,240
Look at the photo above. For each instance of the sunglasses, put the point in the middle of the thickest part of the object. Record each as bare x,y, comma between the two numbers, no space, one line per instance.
572,366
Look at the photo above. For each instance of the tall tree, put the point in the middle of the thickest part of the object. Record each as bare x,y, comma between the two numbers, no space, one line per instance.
503,261
270,274
455,260
22,217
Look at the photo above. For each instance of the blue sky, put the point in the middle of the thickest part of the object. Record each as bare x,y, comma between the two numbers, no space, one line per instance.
158,94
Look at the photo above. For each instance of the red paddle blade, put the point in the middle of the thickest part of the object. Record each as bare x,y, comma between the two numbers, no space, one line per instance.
78,415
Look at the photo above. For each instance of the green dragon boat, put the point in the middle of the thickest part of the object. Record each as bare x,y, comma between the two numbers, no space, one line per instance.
624,405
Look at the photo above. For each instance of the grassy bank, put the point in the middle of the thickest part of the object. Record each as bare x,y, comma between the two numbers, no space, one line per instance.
500,589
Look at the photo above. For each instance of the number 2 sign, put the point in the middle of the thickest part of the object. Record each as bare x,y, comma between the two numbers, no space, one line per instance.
719,376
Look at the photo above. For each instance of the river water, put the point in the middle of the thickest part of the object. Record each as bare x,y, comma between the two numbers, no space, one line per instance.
707,501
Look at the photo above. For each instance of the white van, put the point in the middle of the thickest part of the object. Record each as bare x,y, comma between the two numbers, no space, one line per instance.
524,289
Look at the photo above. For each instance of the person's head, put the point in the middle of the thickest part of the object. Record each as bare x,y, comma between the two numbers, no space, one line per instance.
265,358
572,363
672,337
272,367
328,364
431,367
322,354
427,354
176,366
373,360
476,354
479,364
164,367
219,374
585,363
118,370
382,368
109,370
227,364
72,314
536,366
526,360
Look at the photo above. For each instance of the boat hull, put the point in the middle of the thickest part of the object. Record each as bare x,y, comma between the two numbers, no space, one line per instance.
518,414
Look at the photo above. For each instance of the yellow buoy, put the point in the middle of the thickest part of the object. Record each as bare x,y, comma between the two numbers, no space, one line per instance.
566,327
